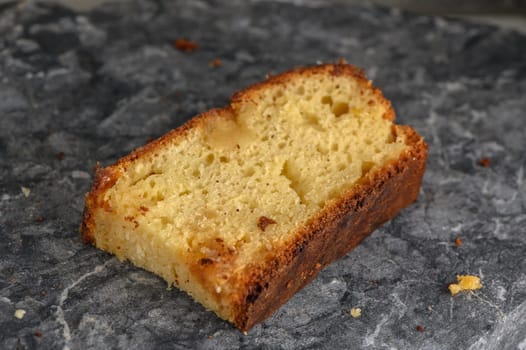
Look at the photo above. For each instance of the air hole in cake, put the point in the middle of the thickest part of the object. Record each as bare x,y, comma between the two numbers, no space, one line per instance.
281,145
224,159
368,142
242,240
196,173
165,221
322,149
249,172
292,173
209,214
312,120
158,197
300,90
326,100
335,147
340,108
209,159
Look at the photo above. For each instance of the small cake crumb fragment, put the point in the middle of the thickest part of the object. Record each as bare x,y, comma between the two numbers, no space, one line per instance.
485,162
465,283
26,191
185,45
215,63
356,312
20,313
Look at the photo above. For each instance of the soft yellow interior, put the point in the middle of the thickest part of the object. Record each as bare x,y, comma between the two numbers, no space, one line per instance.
282,156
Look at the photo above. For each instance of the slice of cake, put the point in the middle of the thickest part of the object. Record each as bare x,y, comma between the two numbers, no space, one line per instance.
242,206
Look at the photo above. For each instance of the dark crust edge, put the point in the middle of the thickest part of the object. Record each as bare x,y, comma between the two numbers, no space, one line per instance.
339,228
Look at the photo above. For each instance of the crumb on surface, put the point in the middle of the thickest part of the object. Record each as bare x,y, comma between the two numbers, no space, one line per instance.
215,63
185,45
38,334
465,283
420,328
60,155
39,219
485,162
20,313
356,312
26,191
458,241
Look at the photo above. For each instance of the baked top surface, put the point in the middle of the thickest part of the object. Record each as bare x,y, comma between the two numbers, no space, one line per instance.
463,91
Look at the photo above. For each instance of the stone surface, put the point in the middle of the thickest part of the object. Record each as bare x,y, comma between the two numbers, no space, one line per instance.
77,89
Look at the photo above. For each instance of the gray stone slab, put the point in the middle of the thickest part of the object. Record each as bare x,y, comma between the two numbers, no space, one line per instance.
80,88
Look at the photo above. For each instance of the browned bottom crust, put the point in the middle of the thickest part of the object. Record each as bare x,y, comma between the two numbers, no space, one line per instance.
377,199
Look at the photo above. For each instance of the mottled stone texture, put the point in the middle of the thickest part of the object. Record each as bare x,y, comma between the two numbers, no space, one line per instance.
77,89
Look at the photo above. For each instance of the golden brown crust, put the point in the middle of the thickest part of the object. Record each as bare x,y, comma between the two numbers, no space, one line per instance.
339,69
332,234
105,178
339,228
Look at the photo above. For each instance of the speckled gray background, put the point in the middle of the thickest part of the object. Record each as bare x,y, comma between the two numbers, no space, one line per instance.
77,89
